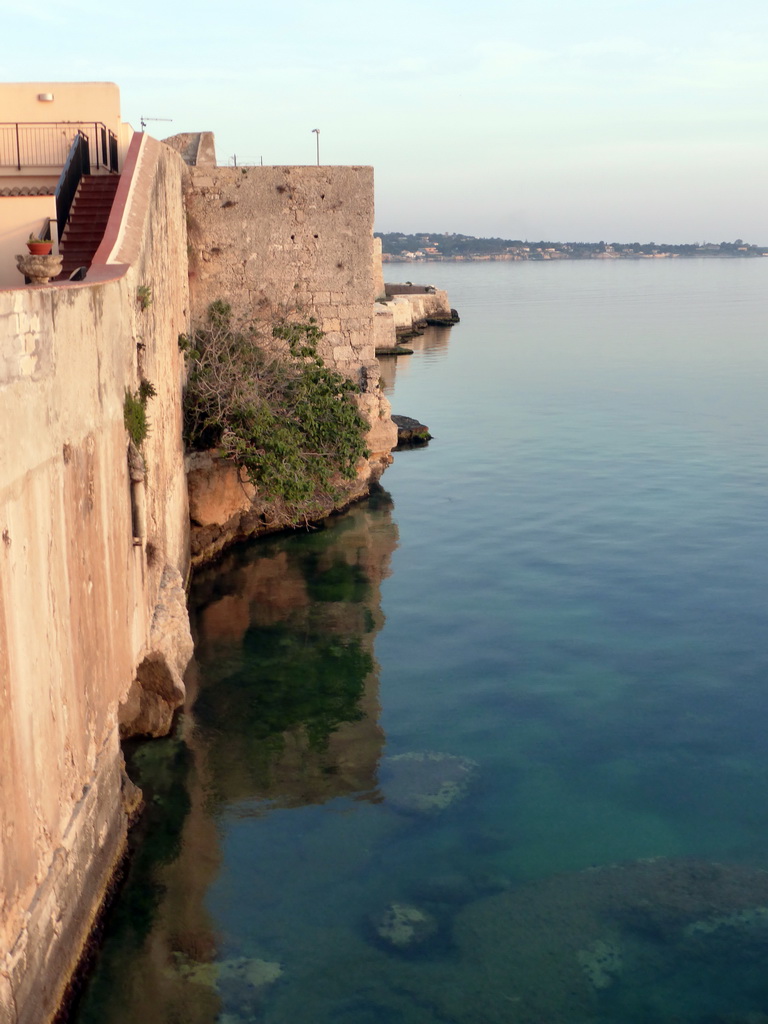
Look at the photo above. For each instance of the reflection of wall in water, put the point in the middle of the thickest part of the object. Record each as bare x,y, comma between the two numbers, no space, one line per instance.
433,340
324,586
260,587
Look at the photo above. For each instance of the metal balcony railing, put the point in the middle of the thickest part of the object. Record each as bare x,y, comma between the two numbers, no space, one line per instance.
47,144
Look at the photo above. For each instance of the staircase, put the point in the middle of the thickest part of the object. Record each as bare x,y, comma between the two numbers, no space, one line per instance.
87,221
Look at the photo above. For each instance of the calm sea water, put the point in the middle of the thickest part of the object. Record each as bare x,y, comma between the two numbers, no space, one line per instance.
492,747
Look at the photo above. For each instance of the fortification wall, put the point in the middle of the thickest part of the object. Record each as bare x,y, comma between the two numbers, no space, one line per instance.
275,241
85,611
379,288
286,242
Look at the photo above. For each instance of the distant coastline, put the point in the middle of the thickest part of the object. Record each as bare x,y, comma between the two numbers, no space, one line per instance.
424,248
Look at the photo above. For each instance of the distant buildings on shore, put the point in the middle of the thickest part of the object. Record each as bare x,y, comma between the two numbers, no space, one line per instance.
420,247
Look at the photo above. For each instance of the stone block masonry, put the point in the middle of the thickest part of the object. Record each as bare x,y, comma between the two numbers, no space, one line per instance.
281,241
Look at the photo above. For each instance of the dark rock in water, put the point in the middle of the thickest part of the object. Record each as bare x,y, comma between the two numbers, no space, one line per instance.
440,321
410,431
425,783
393,350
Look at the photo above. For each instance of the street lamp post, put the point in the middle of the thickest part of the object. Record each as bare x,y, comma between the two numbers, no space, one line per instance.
316,133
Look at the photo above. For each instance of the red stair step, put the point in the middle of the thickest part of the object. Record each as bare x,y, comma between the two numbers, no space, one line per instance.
87,222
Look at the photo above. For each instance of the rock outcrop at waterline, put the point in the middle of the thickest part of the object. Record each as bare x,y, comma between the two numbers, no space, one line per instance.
410,431
225,507
158,689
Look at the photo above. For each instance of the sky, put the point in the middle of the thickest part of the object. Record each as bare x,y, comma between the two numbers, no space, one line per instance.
614,120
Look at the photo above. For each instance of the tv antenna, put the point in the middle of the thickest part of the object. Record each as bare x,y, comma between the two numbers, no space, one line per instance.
143,120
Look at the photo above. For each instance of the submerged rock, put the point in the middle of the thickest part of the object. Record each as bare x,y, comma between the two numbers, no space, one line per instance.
425,782
402,925
224,974
601,962
553,950
753,918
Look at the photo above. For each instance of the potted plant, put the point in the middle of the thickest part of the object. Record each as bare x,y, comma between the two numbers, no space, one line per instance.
39,246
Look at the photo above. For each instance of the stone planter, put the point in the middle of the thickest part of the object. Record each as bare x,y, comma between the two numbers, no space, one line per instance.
39,269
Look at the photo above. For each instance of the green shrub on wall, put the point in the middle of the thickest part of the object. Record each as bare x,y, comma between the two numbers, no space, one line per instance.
135,411
287,418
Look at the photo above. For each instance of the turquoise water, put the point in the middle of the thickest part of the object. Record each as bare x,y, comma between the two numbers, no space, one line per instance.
490,748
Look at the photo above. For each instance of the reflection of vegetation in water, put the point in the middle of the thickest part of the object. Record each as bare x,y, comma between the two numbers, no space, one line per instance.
295,682
309,682
160,767
339,582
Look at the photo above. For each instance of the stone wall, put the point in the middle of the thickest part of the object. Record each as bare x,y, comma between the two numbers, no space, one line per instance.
285,242
274,241
86,608
379,288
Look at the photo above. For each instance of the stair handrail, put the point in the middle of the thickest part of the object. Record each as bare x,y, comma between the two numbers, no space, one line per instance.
78,164
113,155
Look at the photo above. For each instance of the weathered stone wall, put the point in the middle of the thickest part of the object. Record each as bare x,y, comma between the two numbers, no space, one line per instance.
82,606
274,241
379,288
290,242
195,148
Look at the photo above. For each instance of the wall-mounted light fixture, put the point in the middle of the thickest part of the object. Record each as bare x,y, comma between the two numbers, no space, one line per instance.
45,97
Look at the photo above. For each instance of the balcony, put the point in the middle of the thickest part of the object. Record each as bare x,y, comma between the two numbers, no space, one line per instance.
28,148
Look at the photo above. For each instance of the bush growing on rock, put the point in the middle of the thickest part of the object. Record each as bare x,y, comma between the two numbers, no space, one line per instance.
265,398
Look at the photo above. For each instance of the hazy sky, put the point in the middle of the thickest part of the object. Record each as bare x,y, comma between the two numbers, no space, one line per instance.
626,120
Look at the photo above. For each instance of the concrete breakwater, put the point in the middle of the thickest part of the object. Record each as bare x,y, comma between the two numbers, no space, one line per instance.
97,543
